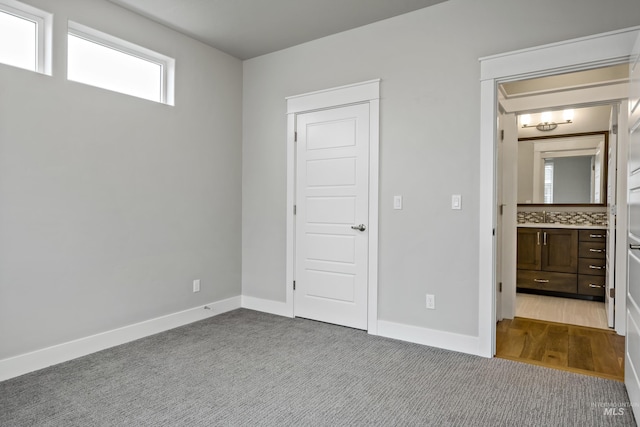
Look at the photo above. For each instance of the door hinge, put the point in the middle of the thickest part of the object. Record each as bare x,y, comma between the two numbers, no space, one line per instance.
295,136
614,129
294,285
494,231
295,210
501,134
500,287
502,209
612,293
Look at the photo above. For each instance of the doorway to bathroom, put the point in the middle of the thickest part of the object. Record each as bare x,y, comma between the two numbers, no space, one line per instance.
557,175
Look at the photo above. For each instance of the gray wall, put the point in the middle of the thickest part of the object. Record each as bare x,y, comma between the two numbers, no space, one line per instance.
572,179
112,205
430,104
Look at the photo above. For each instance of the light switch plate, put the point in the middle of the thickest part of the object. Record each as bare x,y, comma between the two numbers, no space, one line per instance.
456,201
397,202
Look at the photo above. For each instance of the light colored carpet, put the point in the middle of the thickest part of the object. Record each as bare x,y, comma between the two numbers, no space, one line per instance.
245,368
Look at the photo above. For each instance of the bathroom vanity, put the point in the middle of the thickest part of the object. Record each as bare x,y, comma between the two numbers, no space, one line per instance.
562,260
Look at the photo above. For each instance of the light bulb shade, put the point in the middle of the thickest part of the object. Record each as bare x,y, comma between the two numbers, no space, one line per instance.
525,119
567,115
546,117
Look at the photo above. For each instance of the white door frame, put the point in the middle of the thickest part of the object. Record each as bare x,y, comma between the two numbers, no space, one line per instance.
358,93
572,55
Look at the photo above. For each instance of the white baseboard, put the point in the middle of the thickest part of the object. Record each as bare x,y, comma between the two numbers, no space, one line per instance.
39,359
431,337
267,306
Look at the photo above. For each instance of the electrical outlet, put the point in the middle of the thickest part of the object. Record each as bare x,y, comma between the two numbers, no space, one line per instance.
431,302
196,285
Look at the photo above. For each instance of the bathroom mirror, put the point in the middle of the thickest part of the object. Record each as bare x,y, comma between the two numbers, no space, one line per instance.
563,169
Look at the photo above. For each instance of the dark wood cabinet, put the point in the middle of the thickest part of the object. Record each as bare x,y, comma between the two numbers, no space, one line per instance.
529,249
561,261
560,250
592,263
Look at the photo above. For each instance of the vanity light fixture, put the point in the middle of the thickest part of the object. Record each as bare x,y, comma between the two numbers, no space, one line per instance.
546,123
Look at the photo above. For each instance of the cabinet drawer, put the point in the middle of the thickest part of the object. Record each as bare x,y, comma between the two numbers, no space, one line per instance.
591,285
593,235
547,281
591,250
592,266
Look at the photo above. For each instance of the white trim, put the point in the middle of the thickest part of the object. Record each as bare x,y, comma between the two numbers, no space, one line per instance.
364,92
568,98
621,219
575,54
39,359
631,380
267,306
374,162
290,217
487,222
429,337
327,98
578,54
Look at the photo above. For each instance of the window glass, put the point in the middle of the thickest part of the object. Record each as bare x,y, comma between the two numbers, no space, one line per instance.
102,60
548,181
98,65
18,41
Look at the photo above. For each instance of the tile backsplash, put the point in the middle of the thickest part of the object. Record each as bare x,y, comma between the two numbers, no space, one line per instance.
574,218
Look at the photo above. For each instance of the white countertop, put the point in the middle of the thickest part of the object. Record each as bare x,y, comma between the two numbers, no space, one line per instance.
553,225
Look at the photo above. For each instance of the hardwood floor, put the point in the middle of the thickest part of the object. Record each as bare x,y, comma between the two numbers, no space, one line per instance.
561,310
580,349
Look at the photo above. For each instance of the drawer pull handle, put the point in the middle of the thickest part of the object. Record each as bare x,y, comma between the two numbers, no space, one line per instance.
596,250
591,285
541,280
596,236
634,247
595,267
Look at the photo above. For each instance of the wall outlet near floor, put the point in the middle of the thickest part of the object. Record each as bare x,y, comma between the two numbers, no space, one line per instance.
196,285
431,302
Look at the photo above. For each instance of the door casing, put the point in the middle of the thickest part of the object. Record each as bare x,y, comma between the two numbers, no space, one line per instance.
567,56
358,93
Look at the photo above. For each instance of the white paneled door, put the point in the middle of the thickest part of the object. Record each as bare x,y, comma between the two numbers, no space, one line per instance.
632,360
332,211
610,251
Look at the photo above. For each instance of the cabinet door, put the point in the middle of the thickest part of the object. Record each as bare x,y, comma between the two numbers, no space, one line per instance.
560,250
529,247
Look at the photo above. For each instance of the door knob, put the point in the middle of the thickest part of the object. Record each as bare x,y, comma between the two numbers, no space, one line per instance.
360,227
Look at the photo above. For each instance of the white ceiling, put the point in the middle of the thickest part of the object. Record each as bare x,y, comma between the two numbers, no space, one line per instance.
560,82
250,28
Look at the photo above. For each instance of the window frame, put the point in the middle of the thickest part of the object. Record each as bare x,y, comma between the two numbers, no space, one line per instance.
44,30
166,63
